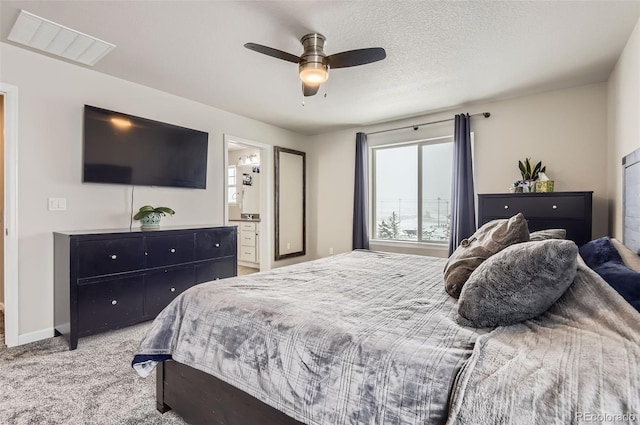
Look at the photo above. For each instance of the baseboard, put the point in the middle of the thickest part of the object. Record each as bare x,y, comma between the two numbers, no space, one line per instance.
35,336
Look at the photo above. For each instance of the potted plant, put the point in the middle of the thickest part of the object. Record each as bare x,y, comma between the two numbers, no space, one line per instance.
530,174
150,216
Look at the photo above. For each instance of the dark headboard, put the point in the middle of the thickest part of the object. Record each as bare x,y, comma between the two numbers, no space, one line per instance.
631,208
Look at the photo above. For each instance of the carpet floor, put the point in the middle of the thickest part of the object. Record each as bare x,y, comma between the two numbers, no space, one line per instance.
45,383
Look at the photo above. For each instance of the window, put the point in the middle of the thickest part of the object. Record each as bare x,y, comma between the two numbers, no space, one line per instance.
231,185
412,191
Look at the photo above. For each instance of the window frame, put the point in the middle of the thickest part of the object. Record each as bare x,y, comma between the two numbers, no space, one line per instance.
372,206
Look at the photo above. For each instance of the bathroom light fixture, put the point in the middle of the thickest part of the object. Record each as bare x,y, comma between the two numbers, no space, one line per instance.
252,159
41,34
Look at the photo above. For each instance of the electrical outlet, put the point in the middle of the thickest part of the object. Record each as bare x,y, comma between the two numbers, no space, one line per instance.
330,251
288,245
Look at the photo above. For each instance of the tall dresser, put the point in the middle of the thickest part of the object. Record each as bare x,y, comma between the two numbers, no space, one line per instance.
554,210
113,278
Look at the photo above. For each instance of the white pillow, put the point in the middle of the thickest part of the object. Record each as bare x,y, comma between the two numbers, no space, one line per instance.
629,258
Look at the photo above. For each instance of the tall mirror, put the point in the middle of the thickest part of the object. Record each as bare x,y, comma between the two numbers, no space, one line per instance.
290,188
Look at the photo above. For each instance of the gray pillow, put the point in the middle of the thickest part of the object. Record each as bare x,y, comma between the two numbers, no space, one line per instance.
489,239
519,283
542,235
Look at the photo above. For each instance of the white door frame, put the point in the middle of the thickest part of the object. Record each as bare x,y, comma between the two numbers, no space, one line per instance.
10,225
266,195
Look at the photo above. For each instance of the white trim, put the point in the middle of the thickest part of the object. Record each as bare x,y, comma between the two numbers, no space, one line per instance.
10,225
36,336
266,194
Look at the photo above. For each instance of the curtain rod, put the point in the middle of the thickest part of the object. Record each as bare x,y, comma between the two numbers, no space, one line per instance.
416,126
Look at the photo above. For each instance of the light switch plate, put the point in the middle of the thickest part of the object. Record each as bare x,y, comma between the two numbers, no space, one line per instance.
57,204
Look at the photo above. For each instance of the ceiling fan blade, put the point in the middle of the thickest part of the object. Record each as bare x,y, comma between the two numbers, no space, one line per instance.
356,57
269,51
309,90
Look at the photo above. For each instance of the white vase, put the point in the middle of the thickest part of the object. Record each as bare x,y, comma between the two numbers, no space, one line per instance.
529,186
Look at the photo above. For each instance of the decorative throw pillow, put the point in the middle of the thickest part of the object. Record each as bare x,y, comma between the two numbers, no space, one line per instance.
629,258
542,235
519,283
486,241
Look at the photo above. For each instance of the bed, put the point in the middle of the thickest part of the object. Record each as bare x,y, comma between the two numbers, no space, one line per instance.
372,338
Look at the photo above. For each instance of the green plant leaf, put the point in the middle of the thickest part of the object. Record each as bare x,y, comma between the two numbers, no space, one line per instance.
142,214
523,171
146,208
165,210
536,170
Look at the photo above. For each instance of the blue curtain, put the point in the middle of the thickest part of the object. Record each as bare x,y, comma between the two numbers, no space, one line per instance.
360,211
463,212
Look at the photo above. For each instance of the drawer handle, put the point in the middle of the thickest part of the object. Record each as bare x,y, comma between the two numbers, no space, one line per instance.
173,289
506,207
555,207
172,250
217,245
113,256
114,302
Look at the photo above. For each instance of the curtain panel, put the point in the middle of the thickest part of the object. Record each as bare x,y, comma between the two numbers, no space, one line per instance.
463,211
361,191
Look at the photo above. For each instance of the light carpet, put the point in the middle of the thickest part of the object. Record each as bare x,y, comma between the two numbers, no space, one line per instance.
45,383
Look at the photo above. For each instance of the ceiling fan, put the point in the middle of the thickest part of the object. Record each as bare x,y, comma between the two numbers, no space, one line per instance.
314,64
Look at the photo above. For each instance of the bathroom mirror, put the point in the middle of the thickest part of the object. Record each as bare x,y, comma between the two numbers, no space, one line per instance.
290,192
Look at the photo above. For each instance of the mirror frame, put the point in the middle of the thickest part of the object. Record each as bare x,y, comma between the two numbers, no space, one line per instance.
277,164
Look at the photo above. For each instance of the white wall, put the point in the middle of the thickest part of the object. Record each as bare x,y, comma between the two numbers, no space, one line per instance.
52,95
623,123
565,129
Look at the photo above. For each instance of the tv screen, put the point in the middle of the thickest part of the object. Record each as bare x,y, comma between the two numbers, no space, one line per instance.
124,149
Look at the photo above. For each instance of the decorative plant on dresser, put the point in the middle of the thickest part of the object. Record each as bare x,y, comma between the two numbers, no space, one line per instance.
529,175
150,216
114,278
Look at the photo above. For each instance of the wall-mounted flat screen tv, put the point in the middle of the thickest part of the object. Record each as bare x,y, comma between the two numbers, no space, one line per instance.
124,149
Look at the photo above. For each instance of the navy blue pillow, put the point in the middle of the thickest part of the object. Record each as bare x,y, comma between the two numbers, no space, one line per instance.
603,258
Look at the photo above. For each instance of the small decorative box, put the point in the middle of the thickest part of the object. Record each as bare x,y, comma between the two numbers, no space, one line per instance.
544,186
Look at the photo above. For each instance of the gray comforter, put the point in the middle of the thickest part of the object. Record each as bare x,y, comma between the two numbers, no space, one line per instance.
577,363
358,338
372,338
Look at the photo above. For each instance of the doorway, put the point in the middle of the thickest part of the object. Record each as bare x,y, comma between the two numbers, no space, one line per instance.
247,188
9,213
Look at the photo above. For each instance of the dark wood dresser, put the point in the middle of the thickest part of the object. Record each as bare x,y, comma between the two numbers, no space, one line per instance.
554,210
113,278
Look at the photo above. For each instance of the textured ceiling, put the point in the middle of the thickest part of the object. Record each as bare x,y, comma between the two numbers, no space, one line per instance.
439,54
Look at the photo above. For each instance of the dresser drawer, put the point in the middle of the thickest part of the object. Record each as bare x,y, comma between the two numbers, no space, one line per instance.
215,269
169,249
110,303
162,286
102,257
215,243
535,206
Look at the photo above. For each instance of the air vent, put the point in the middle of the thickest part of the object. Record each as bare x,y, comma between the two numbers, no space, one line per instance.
42,34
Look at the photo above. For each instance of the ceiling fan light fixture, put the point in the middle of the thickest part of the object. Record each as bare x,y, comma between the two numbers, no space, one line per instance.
313,73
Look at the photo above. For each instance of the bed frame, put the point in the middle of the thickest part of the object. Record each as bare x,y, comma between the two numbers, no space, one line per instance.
201,398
